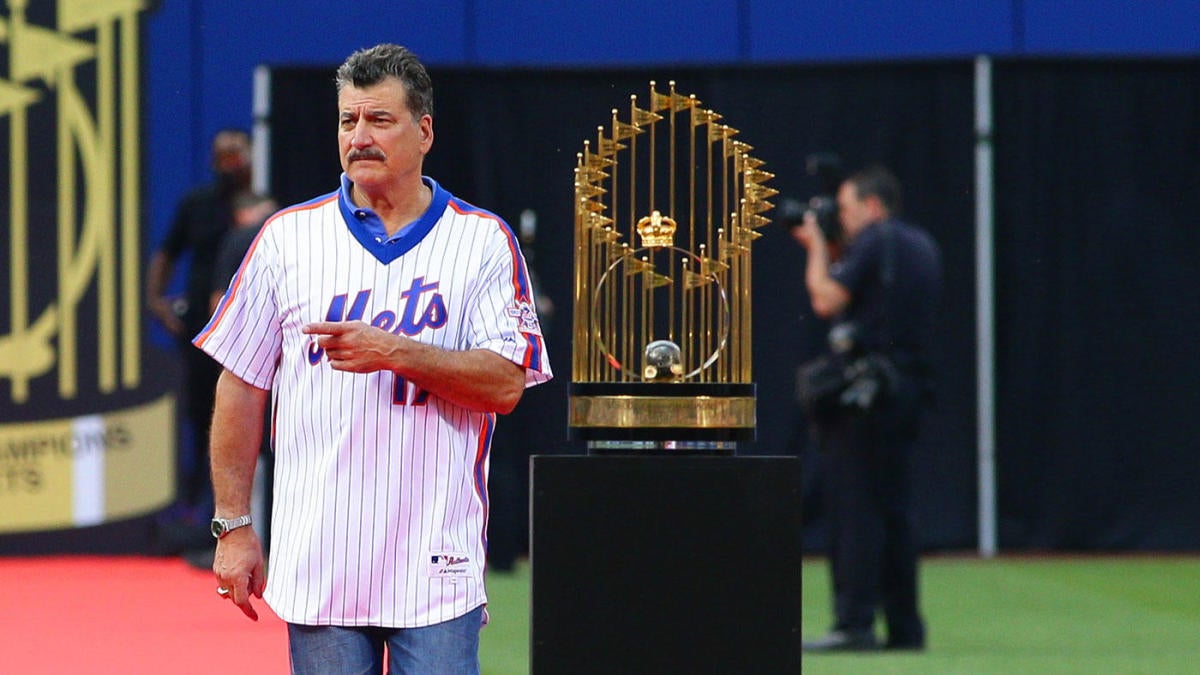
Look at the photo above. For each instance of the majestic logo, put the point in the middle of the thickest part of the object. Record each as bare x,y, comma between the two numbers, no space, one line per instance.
449,565
423,308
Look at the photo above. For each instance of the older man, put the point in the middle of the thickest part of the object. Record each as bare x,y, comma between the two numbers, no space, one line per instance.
393,322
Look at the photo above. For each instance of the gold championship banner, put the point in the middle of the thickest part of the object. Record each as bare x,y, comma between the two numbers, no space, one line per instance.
88,470
87,426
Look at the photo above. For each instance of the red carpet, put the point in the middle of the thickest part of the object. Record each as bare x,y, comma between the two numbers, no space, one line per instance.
128,615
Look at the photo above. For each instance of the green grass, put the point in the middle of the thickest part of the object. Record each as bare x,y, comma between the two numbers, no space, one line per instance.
504,643
1125,615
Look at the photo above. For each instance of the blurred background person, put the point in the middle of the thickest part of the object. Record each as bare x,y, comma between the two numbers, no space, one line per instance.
250,211
880,294
203,217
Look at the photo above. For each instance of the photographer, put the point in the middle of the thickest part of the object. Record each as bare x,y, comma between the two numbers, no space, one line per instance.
880,294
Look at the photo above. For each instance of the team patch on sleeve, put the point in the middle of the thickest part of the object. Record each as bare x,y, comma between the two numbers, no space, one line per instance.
526,316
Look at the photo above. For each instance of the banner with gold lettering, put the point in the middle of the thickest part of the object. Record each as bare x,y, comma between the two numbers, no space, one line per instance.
87,423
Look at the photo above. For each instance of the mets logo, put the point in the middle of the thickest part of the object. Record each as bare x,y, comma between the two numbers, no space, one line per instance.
424,308
526,316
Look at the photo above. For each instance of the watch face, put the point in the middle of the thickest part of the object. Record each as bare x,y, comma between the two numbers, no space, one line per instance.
218,528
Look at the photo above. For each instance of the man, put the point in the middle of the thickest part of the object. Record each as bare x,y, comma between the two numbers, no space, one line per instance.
885,285
392,322
203,217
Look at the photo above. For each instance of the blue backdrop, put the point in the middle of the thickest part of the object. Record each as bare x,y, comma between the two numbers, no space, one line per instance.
202,54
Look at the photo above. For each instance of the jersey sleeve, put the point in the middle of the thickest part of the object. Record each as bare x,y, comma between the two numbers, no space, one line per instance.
502,316
244,332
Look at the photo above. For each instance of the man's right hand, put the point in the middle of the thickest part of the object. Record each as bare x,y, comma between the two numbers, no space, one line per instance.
238,566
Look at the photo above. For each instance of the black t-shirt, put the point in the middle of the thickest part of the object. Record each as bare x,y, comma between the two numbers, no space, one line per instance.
203,218
233,249
895,318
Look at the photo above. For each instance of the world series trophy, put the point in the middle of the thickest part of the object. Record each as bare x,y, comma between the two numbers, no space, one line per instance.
667,206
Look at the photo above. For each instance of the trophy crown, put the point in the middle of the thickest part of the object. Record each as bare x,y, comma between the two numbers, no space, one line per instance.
656,230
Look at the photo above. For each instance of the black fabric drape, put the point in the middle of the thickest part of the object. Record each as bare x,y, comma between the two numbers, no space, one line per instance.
1098,264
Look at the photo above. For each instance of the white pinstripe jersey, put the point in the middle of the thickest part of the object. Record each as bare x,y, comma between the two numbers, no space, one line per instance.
380,507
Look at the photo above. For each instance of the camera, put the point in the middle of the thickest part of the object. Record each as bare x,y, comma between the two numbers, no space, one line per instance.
827,168
870,376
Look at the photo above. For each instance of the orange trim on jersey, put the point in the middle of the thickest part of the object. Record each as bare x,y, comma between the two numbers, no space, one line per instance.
522,285
237,278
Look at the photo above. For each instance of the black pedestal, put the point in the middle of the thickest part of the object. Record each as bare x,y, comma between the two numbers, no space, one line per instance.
665,564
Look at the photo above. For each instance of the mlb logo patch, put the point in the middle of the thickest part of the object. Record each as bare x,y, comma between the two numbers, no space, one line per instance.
451,565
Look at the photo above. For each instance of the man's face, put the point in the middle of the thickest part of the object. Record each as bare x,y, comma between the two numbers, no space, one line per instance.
855,213
378,139
231,154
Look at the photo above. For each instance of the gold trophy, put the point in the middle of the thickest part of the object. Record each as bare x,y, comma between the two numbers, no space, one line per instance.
667,205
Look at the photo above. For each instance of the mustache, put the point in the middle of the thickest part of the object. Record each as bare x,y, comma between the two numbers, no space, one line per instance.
369,153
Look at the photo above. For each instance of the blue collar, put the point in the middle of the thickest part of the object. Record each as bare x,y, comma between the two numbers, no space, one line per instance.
368,229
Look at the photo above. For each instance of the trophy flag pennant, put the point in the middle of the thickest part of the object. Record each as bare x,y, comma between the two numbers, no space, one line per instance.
591,175
669,101
589,190
586,204
749,162
605,235
721,132
609,147
598,221
643,117
755,191
701,116
637,266
695,280
738,148
597,162
680,102
757,176
757,205
731,249
659,101
755,221
743,235
653,279
710,266
624,130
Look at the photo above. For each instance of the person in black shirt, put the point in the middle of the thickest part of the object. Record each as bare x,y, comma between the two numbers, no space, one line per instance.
881,294
203,217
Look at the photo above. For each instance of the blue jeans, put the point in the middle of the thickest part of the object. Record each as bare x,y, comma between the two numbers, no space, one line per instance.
450,647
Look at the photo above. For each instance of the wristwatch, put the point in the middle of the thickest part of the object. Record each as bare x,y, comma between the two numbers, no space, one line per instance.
221,526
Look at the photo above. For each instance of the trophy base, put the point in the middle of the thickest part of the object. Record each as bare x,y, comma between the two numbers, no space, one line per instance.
667,418
707,448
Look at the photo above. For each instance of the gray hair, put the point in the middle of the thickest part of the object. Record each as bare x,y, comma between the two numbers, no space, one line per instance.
367,67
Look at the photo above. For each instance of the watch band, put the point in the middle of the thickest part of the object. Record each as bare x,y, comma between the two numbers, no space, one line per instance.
222,526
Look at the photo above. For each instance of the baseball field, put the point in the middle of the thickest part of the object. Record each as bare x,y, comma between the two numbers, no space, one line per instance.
1127,614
